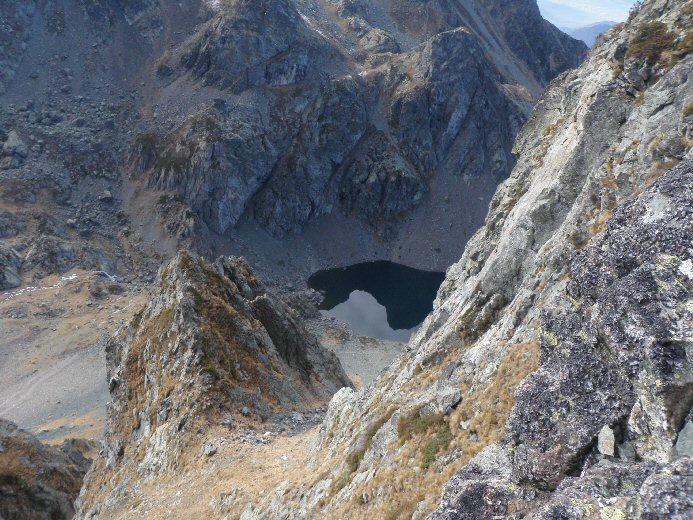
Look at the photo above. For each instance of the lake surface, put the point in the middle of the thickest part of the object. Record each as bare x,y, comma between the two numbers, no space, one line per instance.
378,299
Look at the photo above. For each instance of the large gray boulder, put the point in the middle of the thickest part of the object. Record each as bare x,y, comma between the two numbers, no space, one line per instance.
10,266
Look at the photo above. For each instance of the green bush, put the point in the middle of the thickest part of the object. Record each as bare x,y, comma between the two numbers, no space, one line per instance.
438,443
651,40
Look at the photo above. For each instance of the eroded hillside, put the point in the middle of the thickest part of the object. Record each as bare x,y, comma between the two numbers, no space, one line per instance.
553,377
232,126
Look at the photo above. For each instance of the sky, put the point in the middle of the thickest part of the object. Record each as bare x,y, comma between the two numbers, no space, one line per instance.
578,13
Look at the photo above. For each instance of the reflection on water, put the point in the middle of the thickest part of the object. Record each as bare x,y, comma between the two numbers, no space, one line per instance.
367,317
378,299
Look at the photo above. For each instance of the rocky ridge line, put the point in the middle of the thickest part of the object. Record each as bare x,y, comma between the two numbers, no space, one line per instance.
212,348
597,139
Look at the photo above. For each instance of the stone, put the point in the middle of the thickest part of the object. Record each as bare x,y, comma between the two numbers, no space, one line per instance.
10,265
606,441
684,441
209,450
14,146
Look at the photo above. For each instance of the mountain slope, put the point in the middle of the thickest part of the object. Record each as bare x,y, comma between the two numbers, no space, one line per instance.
590,33
559,345
599,137
233,126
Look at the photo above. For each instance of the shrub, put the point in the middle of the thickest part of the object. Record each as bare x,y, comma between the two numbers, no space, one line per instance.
416,424
651,40
438,443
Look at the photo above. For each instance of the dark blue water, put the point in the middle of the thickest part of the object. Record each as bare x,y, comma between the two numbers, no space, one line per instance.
378,299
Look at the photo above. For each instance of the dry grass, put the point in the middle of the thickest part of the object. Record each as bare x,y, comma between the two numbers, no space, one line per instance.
242,471
417,468
363,444
599,225
661,167
487,407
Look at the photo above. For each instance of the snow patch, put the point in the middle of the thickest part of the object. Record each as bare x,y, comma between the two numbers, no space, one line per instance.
27,290
686,269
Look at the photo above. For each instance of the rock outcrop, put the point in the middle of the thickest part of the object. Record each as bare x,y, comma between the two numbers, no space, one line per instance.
596,427
326,110
38,481
563,330
214,347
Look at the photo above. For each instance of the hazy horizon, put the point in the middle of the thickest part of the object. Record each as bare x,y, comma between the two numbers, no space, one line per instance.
574,14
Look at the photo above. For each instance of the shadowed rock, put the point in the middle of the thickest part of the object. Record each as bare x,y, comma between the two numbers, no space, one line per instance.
38,481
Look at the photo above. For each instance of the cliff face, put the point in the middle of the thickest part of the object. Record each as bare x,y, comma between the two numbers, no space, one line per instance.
579,280
194,118
39,481
355,108
214,348
600,426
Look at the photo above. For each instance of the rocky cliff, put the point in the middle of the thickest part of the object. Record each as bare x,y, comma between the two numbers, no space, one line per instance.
39,481
555,367
155,125
213,348
355,107
600,426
